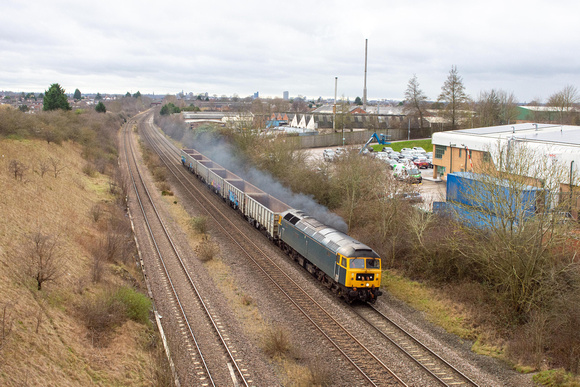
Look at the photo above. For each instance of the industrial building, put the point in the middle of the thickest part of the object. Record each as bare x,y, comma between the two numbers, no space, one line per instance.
465,149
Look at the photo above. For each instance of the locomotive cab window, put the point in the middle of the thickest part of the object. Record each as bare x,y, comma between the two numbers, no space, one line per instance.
343,262
357,263
373,264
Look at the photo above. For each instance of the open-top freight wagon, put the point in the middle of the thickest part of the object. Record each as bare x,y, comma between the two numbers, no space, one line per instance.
346,266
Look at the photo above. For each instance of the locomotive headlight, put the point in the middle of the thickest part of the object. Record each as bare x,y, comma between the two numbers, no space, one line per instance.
368,284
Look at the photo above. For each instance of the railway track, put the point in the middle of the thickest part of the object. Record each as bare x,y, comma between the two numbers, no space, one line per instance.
174,272
366,363
432,363
441,371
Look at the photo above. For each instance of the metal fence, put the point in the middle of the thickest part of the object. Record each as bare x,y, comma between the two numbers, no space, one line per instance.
357,137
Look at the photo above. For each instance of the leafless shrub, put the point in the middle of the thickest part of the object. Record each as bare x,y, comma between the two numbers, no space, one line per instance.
117,242
119,187
101,314
80,285
89,170
96,211
320,374
41,258
43,167
165,188
159,174
98,263
207,250
39,318
199,224
528,343
17,168
277,342
6,323
246,300
101,165
56,165
162,375
563,339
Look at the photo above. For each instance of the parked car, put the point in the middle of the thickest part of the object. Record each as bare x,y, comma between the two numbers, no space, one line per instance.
387,149
406,150
339,152
328,155
420,149
408,174
412,197
391,163
381,156
421,163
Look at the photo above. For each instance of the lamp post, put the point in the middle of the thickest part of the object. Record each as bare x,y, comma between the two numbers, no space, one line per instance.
334,109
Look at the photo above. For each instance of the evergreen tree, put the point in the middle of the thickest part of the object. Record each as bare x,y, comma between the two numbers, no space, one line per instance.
98,97
101,107
77,95
55,98
454,96
137,94
128,94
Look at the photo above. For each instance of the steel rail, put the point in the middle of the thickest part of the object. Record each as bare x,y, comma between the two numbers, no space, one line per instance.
182,264
275,265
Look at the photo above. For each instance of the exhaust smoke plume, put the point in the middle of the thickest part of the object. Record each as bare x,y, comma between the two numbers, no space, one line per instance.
224,155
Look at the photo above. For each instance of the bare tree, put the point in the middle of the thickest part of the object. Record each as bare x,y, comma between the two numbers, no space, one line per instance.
564,101
415,99
514,232
57,166
454,96
17,168
299,105
41,257
43,167
496,107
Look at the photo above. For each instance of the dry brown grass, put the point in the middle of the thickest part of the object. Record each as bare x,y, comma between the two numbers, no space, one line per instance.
207,250
277,342
48,344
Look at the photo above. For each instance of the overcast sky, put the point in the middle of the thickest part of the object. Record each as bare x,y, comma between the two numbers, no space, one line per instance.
530,48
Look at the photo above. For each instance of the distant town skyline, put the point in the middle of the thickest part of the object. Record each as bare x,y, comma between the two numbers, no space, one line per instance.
226,48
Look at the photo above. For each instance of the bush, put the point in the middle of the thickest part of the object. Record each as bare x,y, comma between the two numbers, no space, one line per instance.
101,315
136,305
206,251
199,224
90,170
276,342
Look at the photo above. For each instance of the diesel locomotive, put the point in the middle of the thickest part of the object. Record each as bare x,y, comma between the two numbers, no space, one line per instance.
348,267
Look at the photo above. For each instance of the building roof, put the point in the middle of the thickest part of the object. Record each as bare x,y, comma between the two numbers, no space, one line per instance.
562,142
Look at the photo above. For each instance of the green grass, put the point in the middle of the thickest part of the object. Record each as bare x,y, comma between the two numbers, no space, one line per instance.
422,298
558,378
397,146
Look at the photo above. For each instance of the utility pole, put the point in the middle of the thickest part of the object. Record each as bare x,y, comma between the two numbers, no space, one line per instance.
365,86
334,108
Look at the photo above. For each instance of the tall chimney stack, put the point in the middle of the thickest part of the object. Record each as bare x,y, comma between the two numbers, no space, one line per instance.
365,87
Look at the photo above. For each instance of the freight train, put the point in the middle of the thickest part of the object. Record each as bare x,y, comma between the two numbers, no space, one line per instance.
348,267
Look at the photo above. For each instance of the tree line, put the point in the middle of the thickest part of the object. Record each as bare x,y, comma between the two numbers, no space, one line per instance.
490,108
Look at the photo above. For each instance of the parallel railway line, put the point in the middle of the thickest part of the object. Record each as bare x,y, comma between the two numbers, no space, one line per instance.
368,365
168,255
434,364
440,370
